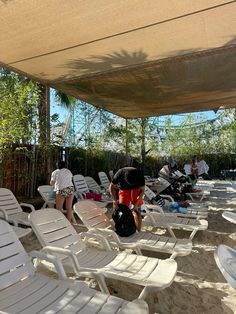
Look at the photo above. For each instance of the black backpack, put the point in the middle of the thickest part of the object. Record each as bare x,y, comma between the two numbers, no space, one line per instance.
124,221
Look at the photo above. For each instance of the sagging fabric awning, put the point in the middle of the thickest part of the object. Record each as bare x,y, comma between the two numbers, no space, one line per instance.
135,58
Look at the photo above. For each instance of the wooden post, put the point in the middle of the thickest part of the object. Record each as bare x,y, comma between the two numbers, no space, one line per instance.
48,133
48,114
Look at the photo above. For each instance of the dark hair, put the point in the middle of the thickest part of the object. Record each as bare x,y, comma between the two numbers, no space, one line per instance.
194,158
134,176
61,164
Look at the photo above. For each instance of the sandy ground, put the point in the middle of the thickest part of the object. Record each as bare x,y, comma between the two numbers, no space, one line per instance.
199,286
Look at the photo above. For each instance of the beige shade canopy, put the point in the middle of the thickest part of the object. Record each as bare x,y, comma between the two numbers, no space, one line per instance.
135,58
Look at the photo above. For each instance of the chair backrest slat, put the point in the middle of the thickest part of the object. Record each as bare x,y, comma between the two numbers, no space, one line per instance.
14,261
105,182
149,193
93,185
80,184
91,215
8,202
52,228
44,191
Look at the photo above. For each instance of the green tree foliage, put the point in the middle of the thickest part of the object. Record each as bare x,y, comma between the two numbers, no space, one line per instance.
192,137
18,108
99,130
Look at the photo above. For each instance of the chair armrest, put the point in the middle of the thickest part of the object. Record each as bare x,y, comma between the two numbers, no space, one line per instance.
101,239
4,212
79,195
153,207
65,252
150,216
28,205
52,259
106,233
168,197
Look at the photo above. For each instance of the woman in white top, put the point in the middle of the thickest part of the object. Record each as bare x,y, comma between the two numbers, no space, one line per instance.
61,178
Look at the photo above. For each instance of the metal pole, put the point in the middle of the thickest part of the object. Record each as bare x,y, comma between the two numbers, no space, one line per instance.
126,142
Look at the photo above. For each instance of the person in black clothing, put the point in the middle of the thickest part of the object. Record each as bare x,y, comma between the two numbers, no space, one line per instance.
132,184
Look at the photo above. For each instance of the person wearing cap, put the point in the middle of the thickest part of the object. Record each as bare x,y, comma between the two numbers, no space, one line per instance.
132,184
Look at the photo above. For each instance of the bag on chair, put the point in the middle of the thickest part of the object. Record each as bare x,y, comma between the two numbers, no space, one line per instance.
124,221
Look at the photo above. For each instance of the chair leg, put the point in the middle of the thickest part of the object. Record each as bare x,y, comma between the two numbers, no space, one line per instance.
201,198
193,234
171,232
138,251
102,284
145,292
73,219
190,195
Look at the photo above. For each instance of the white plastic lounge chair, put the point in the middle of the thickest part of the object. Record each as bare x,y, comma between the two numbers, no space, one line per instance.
203,207
81,188
95,187
233,185
210,183
171,223
20,231
58,237
44,191
225,258
23,290
158,185
105,182
13,211
197,196
230,216
191,213
204,186
93,218
97,222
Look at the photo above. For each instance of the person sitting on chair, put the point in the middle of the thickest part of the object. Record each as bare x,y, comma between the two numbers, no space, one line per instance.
167,171
132,185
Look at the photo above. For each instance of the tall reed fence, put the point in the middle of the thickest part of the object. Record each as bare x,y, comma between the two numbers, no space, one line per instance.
24,168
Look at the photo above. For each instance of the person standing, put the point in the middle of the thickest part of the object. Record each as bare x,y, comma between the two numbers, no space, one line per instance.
61,179
194,167
132,184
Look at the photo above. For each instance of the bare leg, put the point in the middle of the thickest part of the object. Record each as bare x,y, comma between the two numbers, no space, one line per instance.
59,201
69,201
138,220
